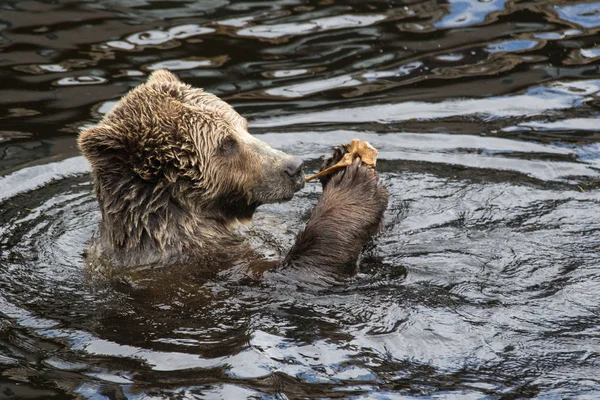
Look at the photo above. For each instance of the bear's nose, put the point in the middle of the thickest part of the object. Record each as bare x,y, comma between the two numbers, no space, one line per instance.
293,166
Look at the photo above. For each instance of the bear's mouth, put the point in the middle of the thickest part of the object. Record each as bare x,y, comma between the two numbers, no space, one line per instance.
297,184
298,181
279,191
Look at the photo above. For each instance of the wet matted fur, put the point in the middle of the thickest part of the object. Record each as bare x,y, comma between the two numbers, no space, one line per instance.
175,169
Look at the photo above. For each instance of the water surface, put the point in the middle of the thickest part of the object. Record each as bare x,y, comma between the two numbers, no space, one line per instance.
485,284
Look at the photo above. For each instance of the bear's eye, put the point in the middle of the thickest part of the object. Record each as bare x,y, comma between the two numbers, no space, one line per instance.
228,145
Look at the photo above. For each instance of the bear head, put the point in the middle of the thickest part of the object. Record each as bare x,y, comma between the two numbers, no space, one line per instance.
169,160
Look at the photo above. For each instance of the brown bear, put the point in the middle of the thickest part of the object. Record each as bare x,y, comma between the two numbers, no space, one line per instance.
175,170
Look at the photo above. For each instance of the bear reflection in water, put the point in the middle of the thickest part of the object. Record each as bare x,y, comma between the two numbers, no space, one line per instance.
175,172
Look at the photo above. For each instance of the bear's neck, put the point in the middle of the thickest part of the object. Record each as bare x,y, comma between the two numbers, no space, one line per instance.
145,223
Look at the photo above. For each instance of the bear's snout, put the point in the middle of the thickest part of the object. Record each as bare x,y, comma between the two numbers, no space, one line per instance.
293,168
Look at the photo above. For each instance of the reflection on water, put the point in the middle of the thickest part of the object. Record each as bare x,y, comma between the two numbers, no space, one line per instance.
485,283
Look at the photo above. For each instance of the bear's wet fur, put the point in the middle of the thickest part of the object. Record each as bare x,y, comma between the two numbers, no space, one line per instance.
175,170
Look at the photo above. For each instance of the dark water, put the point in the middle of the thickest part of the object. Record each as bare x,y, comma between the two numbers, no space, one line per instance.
486,283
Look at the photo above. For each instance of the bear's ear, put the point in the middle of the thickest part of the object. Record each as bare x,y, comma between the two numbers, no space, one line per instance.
103,147
163,76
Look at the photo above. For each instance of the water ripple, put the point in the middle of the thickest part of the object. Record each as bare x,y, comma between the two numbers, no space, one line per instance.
484,283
